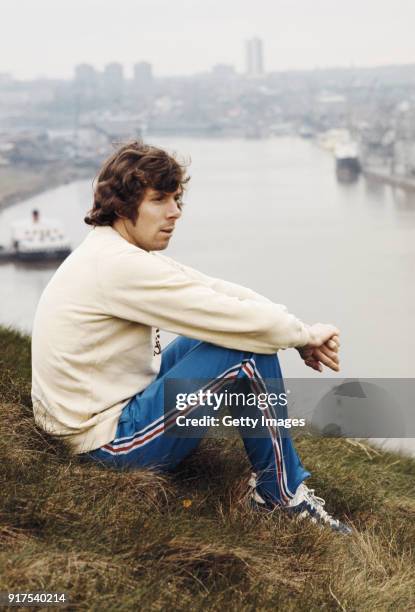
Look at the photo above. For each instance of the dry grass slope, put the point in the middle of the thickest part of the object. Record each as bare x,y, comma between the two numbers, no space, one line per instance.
127,541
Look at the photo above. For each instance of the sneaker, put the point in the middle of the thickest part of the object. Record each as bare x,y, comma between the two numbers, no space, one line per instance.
305,504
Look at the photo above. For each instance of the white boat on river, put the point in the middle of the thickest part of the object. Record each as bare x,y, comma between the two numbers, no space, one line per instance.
35,240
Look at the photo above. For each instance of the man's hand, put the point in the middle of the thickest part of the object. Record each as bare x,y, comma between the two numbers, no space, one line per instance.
322,349
320,333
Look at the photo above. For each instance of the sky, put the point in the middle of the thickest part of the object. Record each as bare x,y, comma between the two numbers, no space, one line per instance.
49,37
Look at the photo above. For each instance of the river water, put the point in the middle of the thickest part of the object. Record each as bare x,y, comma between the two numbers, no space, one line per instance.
271,215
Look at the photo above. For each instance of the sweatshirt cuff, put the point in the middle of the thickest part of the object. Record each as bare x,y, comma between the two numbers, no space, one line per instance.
305,335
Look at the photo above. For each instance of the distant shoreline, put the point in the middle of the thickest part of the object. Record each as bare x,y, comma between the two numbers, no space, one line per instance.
405,183
19,183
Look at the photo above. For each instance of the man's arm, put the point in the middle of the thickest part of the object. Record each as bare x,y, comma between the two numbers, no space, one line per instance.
313,357
222,286
148,289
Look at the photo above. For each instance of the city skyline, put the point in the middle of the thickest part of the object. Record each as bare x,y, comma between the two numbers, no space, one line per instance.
49,39
128,70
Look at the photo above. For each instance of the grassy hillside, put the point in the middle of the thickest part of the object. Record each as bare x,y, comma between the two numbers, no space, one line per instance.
128,541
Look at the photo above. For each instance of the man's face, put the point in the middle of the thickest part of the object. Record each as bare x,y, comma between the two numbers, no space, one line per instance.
157,216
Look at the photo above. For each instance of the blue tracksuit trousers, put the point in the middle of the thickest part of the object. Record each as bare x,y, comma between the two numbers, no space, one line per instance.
141,439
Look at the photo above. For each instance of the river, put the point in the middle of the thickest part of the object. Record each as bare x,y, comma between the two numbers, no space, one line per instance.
271,215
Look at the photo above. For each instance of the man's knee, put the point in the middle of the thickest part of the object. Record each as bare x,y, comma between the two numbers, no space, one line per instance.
175,351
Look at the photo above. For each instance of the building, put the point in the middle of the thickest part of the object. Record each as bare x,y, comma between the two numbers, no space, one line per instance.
85,75
143,76
143,84
254,57
223,72
86,84
113,83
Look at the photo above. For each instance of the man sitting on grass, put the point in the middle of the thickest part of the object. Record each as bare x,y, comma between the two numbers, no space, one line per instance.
98,369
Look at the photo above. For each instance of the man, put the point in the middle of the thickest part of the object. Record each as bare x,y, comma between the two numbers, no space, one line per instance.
98,372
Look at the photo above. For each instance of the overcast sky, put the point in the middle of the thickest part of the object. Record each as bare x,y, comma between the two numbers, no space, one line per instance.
49,37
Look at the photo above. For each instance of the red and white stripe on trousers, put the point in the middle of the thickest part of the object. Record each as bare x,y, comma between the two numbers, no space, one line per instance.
126,445
257,382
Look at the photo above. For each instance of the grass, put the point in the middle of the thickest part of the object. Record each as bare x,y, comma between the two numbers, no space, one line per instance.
140,540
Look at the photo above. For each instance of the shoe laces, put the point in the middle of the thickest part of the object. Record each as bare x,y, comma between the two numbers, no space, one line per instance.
308,495
318,504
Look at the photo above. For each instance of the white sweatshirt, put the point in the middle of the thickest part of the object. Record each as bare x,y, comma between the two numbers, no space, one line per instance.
94,334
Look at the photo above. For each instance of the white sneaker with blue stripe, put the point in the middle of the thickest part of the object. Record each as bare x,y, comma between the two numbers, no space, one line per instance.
305,504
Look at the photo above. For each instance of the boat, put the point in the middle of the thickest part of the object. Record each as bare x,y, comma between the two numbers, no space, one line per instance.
306,131
347,161
331,139
34,240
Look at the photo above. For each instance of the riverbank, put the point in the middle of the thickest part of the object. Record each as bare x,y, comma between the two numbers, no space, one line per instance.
189,540
19,182
389,179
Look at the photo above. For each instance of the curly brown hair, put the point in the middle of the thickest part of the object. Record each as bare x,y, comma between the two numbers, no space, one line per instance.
125,176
